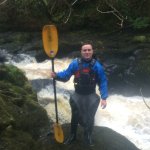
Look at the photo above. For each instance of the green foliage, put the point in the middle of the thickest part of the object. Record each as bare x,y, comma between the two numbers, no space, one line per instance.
140,38
140,22
45,2
76,14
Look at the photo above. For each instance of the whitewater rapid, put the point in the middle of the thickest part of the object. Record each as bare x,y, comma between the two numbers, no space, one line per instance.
128,116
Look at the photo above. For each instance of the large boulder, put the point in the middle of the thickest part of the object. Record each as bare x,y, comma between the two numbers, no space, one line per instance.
103,139
22,119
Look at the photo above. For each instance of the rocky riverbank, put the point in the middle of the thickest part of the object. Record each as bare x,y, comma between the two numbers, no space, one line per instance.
24,124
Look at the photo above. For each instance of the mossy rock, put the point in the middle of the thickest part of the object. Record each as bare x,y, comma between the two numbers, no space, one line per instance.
16,140
12,74
22,119
5,118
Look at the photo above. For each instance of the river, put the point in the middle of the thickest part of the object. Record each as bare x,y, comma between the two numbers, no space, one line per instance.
128,116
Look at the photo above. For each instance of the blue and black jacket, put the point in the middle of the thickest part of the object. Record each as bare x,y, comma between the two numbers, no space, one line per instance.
97,69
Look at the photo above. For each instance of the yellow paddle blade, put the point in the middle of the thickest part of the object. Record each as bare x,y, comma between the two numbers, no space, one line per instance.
58,133
50,40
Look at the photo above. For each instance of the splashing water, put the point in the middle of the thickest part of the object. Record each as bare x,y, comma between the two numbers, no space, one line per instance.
127,115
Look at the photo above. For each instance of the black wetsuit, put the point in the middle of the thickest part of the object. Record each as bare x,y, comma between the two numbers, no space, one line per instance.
84,101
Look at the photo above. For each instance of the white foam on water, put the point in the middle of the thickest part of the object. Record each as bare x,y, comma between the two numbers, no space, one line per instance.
129,116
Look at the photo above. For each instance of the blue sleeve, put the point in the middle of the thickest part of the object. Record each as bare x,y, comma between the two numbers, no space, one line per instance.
101,80
65,75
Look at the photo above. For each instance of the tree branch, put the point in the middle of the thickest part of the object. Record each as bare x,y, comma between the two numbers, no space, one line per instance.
51,11
3,2
115,12
70,10
104,12
74,2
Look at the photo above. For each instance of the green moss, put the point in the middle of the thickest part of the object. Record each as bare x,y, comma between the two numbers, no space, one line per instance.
31,118
12,74
25,110
16,140
22,119
140,38
5,118
13,93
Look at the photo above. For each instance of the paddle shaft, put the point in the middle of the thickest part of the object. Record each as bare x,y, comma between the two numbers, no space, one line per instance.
54,86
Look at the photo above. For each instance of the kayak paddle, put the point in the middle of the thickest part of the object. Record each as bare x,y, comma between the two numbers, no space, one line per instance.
50,43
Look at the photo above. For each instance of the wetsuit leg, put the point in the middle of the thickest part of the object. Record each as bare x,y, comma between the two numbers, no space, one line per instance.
75,117
92,105
74,122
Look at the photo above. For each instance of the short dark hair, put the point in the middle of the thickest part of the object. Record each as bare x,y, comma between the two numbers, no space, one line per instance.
86,43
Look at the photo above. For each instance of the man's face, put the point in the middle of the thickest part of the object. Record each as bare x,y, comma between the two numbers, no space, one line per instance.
87,51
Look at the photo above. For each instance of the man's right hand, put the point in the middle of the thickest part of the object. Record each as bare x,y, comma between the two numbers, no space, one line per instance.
53,74
103,104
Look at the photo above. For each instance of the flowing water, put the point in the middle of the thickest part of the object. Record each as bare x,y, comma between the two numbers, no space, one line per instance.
127,115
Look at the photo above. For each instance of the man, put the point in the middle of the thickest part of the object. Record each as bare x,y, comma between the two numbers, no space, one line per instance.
84,101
